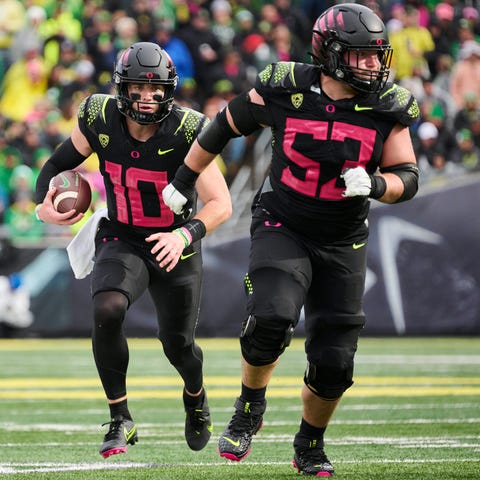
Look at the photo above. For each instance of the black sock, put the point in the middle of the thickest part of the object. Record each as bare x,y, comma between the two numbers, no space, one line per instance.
120,408
310,431
191,401
253,394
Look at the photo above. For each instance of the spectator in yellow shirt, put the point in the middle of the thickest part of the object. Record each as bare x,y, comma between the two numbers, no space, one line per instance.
25,82
410,44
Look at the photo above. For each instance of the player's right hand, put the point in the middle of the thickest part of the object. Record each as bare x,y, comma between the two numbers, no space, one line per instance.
46,212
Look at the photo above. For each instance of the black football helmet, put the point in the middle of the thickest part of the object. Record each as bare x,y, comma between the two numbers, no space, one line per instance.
346,28
145,62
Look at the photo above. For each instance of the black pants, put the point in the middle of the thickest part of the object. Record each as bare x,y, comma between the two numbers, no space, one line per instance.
124,269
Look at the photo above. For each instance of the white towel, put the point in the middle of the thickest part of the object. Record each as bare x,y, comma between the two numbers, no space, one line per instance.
81,250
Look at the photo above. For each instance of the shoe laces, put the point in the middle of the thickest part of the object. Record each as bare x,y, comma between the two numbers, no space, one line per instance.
115,427
196,418
312,453
242,422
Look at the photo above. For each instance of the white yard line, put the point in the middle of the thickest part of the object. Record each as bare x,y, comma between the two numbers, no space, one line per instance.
59,427
7,468
152,438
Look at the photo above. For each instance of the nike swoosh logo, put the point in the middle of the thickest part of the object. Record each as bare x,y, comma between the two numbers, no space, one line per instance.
129,434
356,246
188,255
163,152
233,442
65,183
358,108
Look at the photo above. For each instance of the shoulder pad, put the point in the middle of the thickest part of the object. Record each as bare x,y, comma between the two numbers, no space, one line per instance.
190,121
94,106
287,75
192,115
398,103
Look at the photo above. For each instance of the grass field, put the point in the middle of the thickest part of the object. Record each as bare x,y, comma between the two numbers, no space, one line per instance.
413,412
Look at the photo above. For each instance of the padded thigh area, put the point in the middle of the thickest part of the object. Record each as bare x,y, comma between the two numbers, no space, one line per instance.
274,294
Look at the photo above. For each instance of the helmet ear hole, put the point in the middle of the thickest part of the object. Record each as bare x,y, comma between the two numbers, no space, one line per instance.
336,47
335,58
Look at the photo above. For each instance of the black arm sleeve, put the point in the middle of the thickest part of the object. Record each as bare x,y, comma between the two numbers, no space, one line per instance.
216,134
248,116
65,157
408,173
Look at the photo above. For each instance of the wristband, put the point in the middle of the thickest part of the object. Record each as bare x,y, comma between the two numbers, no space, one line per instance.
184,234
192,231
379,186
36,213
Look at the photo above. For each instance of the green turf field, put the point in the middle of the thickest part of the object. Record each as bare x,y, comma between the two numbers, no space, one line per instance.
413,412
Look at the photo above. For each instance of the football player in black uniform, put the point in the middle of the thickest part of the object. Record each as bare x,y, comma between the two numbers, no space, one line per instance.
339,138
141,137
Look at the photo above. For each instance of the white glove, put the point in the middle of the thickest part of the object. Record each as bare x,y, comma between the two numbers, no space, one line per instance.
357,182
173,199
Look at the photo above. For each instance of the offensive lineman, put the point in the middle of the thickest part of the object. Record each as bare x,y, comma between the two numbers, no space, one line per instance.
339,137
141,137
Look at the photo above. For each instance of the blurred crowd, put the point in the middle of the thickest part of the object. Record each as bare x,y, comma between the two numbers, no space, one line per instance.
55,53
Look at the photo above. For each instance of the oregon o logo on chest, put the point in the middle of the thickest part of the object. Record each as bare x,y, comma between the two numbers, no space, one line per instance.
135,154
330,108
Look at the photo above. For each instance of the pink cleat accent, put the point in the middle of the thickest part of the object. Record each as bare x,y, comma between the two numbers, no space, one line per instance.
114,451
319,474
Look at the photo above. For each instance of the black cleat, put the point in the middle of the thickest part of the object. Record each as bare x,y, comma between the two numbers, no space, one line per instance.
310,459
121,433
198,425
234,443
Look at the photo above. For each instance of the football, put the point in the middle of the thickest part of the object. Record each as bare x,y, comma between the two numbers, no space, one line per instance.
73,192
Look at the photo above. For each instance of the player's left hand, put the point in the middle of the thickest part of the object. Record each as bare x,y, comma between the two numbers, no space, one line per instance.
168,248
357,182
174,199
180,193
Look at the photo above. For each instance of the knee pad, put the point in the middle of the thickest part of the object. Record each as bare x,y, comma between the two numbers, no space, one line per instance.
179,353
175,348
328,381
175,353
109,309
263,341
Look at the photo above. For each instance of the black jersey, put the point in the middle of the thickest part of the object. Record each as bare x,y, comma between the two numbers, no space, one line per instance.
314,138
134,172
